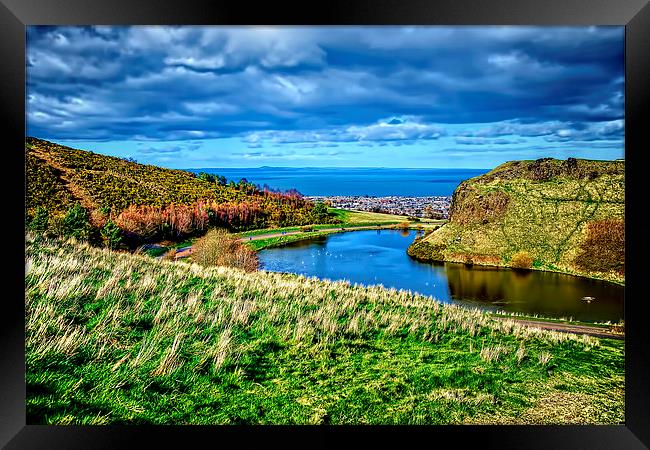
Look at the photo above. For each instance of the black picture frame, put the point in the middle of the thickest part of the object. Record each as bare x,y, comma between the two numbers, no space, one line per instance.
633,14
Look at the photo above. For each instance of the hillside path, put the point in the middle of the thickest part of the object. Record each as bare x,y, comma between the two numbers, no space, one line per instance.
76,191
568,328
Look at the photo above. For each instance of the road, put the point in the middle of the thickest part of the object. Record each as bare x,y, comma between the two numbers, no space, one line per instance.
569,328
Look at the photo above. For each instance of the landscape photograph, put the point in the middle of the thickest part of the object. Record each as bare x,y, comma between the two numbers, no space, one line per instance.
325,225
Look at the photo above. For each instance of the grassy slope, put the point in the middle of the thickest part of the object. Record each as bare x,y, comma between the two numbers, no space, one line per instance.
118,338
366,218
546,218
280,241
105,181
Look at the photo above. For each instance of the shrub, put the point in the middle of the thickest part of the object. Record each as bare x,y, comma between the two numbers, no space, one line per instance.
219,248
305,228
204,176
618,327
144,222
432,213
40,220
170,254
320,211
404,225
56,226
521,260
76,223
111,235
43,187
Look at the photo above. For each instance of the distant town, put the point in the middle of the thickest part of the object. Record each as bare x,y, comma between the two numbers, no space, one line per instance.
426,207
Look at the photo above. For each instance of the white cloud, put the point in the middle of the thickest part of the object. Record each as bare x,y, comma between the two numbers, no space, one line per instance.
399,129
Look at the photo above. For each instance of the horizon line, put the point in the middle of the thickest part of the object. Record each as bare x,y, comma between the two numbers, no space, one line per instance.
337,167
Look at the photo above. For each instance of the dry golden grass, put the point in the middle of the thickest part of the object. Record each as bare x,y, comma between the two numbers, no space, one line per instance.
137,333
300,306
220,248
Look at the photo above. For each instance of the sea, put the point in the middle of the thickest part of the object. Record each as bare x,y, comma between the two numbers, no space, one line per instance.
373,182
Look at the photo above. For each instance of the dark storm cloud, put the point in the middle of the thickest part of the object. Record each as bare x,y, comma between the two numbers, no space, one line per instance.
323,84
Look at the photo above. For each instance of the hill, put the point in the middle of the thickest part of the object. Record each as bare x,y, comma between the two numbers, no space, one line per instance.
132,194
115,338
58,175
548,214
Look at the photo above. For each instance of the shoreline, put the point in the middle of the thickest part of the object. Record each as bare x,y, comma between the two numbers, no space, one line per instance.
539,269
555,324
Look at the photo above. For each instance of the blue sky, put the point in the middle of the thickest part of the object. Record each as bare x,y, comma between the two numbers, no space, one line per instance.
430,96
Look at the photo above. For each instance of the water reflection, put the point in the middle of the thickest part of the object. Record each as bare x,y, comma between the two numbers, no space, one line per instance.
379,257
544,293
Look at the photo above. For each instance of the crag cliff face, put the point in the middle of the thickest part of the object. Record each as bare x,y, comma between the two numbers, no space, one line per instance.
548,214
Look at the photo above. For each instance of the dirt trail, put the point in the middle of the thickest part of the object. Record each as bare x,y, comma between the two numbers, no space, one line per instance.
77,193
569,328
267,236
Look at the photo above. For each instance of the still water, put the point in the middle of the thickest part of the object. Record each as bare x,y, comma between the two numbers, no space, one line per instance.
376,182
379,257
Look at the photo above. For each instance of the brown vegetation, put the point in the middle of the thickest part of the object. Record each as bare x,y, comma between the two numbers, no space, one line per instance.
491,260
218,248
545,169
521,260
170,255
472,258
483,208
604,248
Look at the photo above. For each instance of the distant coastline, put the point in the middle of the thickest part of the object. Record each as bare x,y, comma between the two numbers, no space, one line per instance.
355,181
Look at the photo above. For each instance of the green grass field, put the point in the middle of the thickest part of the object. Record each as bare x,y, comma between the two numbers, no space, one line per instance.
114,338
366,218
279,241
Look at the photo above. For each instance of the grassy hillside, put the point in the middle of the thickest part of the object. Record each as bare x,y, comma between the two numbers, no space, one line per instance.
106,181
366,217
549,214
119,338
146,201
